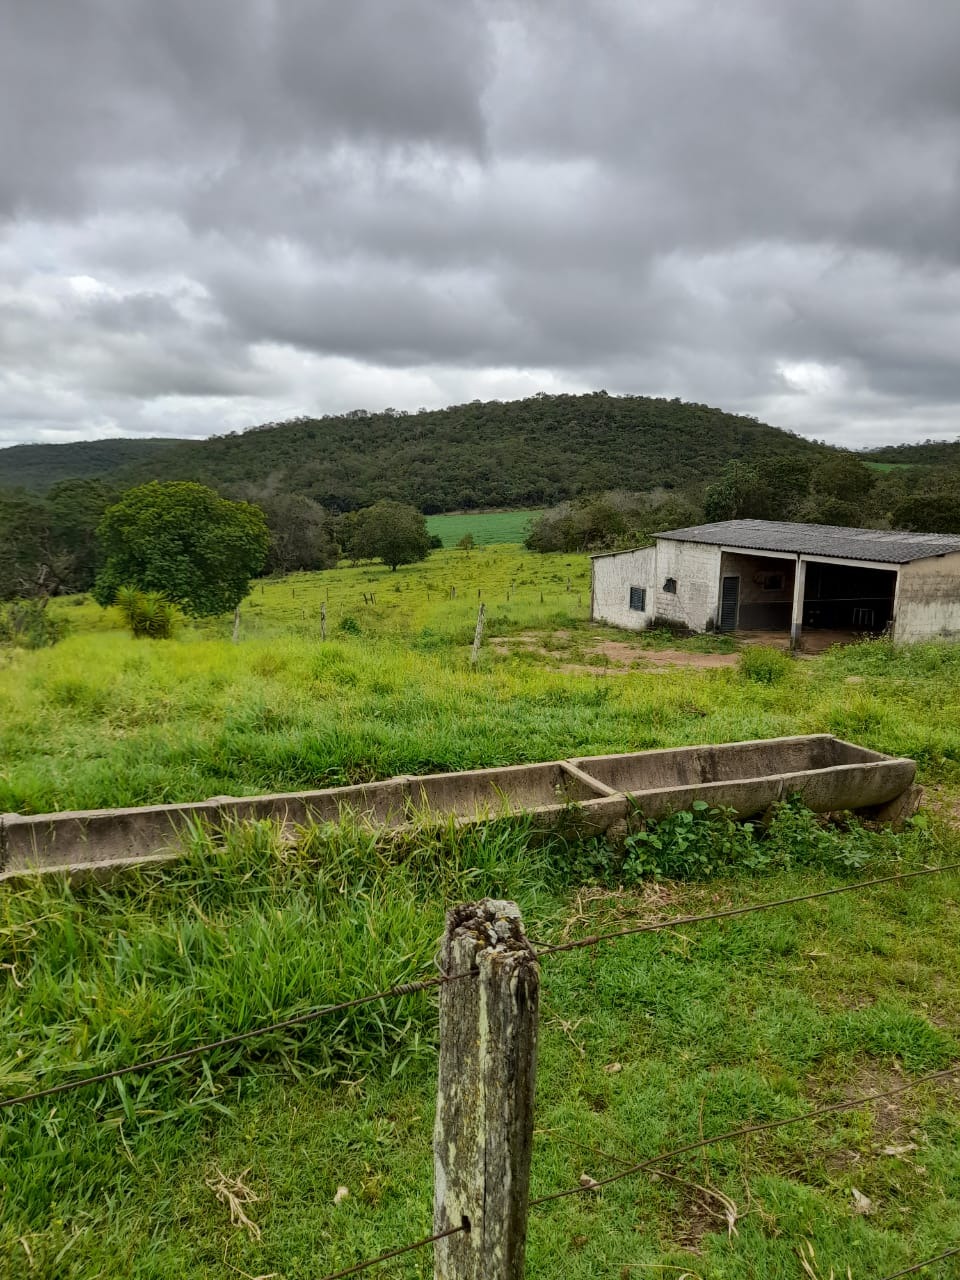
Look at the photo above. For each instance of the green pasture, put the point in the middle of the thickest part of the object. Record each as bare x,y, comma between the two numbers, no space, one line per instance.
487,527
644,1045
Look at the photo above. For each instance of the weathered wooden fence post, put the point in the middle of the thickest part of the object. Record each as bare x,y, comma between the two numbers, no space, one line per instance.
323,620
477,638
236,624
484,1128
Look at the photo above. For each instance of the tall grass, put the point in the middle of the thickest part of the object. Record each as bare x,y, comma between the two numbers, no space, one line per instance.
102,720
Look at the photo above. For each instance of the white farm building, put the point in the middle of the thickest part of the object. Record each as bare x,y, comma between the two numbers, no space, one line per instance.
785,579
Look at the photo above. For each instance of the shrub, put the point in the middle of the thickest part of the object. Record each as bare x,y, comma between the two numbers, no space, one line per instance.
349,625
148,614
693,844
764,665
702,842
29,625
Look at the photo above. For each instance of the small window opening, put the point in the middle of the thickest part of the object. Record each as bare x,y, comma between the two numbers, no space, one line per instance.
670,586
638,598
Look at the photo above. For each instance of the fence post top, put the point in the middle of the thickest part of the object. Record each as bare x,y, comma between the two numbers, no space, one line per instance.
492,924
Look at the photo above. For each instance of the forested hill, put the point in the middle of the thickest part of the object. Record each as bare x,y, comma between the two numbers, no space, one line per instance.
511,454
39,466
928,453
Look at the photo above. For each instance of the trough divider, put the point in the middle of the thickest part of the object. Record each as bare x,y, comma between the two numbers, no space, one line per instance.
593,783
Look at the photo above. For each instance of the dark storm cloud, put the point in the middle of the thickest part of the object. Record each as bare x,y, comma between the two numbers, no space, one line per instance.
223,212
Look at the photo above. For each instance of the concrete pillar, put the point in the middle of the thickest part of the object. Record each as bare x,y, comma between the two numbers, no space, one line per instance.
796,619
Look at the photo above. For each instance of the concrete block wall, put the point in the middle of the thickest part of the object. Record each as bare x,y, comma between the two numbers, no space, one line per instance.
613,576
928,600
695,566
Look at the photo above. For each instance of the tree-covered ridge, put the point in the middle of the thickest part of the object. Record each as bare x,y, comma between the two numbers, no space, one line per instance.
927,453
517,453
38,467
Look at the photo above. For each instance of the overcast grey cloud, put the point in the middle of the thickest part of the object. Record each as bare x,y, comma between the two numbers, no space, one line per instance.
220,212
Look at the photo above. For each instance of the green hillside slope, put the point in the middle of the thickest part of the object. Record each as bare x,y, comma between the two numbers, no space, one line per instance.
38,466
521,453
929,453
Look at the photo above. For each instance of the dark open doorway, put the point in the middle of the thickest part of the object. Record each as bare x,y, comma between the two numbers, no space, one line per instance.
842,597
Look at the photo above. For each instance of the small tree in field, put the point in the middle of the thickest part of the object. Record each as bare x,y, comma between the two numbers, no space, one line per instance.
391,532
467,542
184,542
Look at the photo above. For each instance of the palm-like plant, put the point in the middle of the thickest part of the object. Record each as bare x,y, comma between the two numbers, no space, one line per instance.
147,613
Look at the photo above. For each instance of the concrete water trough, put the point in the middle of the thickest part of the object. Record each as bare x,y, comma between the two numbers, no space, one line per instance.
587,794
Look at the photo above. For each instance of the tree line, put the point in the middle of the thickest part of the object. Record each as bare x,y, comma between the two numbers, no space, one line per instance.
838,489
183,543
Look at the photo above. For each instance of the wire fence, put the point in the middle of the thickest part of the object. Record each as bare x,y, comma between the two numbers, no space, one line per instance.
587,1186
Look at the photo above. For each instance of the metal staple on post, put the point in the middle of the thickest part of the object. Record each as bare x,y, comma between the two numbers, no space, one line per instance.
483,1136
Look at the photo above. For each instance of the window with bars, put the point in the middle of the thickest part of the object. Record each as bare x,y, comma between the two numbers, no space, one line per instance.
638,598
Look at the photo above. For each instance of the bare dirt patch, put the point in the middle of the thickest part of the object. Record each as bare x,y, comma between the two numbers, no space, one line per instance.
686,658
616,656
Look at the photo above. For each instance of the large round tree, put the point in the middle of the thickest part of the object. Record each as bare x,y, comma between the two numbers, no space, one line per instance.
391,532
185,541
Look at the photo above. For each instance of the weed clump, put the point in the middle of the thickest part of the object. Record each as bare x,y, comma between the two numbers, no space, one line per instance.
765,665
703,842
27,624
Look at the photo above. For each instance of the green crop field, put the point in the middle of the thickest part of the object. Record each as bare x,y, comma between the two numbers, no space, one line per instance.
645,1045
487,527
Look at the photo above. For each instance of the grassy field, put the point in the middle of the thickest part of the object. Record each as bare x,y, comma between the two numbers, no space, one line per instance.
488,527
644,1045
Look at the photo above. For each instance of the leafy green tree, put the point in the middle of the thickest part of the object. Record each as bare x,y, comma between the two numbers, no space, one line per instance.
391,532
844,477
76,508
31,564
301,533
184,541
467,543
936,512
735,495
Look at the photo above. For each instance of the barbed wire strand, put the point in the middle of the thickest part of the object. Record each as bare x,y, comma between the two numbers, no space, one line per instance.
426,984
920,1266
848,1104
394,1253
298,1020
652,926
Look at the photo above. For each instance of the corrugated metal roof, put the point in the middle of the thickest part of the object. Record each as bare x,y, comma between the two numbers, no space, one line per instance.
887,546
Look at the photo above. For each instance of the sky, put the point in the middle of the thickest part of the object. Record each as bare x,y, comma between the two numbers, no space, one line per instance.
217,213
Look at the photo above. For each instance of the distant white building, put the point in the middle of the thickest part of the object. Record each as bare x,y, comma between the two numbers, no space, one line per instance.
765,575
